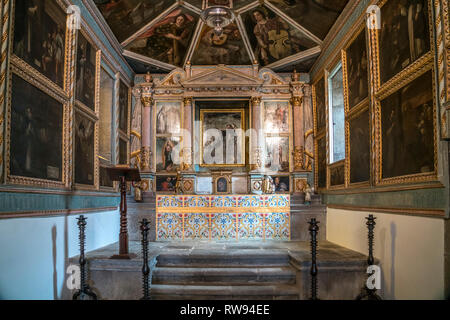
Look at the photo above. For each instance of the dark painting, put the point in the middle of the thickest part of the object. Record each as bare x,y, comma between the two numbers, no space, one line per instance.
322,162
123,152
166,183
271,37
222,185
282,183
359,129
228,48
39,36
320,104
169,39
84,150
167,154
408,129
123,107
337,175
86,61
404,35
126,17
318,16
105,180
357,73
36,133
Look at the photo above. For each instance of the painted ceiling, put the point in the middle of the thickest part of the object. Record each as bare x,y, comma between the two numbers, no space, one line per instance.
160,35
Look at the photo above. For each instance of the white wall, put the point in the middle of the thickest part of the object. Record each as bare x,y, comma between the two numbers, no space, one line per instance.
410,250
33,251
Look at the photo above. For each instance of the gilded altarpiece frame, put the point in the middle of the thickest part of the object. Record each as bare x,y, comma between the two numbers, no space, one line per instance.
319,133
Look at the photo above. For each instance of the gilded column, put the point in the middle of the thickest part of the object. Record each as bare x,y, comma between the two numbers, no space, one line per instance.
186,164
297,105
147,123
257,135
308,127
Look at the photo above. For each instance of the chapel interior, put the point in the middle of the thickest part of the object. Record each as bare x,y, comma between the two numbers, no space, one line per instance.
224,149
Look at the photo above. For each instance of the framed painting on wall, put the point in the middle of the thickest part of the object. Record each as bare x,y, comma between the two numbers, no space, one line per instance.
277,154
337,174
276,117
320,104
123,107
40,37
321,162
223,137
357,71
407,130
359,147
166,183
84,151
86,71
36,136
123,151
167,154
404,37
168,117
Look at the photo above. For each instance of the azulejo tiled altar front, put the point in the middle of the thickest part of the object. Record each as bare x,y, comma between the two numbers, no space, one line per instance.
220,217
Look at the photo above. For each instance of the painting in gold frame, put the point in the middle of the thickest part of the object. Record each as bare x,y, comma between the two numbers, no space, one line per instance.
359,147
86,72
84,150
320,104
276,117
321,163
408,130
404,35
36,133
228,125
336,173
39,37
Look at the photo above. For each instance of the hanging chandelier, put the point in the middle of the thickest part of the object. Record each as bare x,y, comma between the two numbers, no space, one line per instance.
218,17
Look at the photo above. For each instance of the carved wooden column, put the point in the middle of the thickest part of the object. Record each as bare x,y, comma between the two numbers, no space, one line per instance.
299,134
308,128
147,123
257,139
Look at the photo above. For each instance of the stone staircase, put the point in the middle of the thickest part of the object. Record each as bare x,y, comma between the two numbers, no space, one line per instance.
242,274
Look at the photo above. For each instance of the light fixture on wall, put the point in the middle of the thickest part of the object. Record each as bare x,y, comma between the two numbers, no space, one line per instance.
218,17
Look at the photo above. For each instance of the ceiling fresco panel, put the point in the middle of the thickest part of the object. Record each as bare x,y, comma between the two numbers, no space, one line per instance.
125,17
271,37
169,39
318,16
227,49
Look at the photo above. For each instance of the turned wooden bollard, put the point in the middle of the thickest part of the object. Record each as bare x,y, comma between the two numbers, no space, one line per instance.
369,294
84,291
313,230
145,227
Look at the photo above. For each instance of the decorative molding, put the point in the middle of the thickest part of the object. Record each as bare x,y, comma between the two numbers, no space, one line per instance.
53,213
409,211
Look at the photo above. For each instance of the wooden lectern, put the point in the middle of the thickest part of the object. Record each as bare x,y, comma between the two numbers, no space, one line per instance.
123,174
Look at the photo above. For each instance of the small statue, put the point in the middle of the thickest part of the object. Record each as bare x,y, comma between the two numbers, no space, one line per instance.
308,192
295,76
137,191
178,188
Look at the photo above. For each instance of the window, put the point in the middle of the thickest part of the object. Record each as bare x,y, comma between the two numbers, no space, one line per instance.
336,115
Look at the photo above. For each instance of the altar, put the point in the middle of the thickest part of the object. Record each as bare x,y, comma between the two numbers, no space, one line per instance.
222,217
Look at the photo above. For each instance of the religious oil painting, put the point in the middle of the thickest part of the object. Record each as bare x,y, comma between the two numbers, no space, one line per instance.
271,37
320,104
123,107
277,154
86,62
168,117
166,183
223,137
407,123
227,48
404,35
123,151
322,162
39,37
168,40
337,175
276,117
281,184
318,16
359,130
106,113
36,133
126,17
167,154
357,72
84,149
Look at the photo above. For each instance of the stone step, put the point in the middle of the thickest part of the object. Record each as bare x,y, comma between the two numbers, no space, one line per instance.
229,258
198,292
210,276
